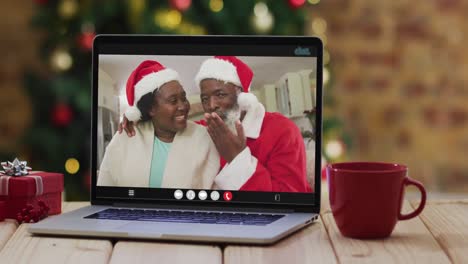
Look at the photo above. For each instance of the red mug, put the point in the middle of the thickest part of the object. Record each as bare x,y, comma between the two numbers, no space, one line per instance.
366,197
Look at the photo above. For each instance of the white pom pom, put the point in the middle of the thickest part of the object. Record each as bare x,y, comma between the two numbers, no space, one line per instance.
133,113
246,100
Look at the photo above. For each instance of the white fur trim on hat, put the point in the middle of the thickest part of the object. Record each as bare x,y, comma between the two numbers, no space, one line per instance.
246,101
133,113
154,81
217,69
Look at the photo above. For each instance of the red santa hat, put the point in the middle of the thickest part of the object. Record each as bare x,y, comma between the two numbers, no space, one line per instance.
146,78
229,69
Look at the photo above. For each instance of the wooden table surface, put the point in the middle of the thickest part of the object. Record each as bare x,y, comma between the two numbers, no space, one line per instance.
438,235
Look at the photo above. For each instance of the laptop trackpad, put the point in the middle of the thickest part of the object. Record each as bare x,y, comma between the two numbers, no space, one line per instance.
152,229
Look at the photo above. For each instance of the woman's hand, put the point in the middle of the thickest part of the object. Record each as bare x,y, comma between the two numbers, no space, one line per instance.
128,126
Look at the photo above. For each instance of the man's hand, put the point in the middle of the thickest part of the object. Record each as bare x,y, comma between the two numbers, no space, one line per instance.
227,144
128,126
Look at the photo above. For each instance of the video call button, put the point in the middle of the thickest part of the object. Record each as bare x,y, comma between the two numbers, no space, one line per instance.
202,195
178,194
190,195
227,196
214,195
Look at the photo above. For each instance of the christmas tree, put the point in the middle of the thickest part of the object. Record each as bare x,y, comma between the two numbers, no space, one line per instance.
58,139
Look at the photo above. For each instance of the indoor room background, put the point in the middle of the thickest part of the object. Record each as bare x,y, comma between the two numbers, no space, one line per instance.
395,82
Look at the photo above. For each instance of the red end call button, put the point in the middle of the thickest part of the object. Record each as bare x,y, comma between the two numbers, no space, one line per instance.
227,196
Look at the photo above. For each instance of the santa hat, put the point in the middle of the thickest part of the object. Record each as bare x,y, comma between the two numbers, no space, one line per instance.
146,78
229,69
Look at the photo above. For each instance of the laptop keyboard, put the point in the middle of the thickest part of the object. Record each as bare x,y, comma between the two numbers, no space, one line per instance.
186,216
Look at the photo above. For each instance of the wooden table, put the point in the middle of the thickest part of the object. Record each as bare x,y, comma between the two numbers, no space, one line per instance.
439,235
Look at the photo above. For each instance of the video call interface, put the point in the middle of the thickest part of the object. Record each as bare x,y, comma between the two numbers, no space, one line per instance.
206,128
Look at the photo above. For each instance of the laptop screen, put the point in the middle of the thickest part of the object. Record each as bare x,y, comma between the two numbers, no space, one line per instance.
207,120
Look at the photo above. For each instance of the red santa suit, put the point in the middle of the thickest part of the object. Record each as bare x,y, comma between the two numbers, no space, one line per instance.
274,159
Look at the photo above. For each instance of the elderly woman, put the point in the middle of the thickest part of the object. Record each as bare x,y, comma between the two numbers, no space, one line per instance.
167,150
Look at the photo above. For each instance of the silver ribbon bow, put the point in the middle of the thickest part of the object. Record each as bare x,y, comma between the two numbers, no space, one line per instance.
15,168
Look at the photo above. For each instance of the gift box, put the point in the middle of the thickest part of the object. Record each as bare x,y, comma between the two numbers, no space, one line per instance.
18,191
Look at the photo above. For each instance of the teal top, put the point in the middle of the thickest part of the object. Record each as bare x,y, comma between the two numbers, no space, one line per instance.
158,162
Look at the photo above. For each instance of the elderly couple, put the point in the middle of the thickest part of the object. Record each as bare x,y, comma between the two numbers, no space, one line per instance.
238,146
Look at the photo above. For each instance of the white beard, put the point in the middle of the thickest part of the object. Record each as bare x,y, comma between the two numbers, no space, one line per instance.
232,115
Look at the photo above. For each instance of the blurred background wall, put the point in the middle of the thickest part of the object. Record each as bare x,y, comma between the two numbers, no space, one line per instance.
395,75
400,72
17,50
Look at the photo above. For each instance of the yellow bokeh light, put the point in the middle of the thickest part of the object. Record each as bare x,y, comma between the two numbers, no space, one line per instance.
191,29
174,18
326,57
263,24
168,19
61,60
313,2
334,149
261,9
324,39
326,76
216,5
72,165
319,25
68,8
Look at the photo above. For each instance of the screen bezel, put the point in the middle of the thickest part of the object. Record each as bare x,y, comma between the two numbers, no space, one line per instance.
203,45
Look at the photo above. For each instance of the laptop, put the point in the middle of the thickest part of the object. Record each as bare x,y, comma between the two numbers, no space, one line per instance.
287,82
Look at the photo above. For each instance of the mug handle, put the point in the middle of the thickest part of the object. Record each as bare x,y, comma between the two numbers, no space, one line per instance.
409,181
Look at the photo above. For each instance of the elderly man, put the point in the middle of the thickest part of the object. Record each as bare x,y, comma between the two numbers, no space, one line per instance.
260,151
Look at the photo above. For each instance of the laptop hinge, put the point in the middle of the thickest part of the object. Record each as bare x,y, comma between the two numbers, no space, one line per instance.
198,208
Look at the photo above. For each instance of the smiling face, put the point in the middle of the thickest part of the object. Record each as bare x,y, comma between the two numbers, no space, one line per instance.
219,97
170,109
